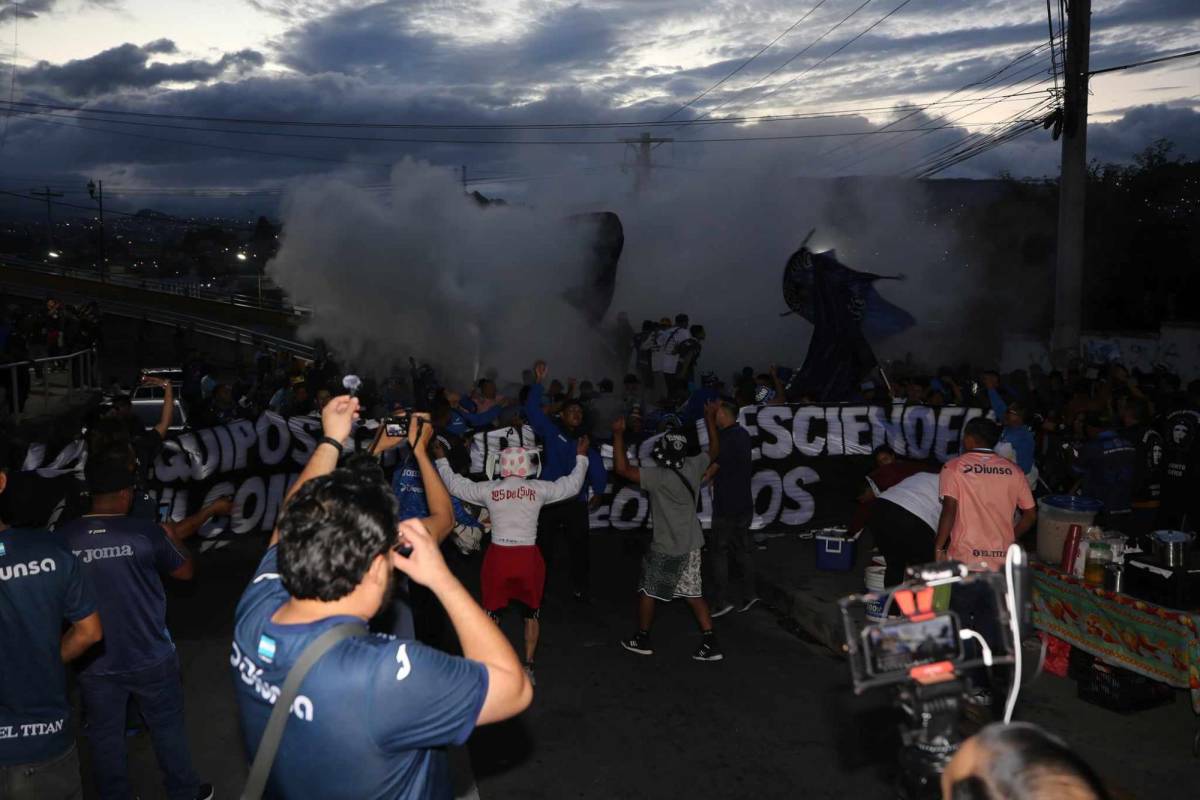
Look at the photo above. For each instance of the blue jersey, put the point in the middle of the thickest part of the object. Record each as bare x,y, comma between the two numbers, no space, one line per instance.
124,557
373,716
558,448
41,585
1022,441
1108,465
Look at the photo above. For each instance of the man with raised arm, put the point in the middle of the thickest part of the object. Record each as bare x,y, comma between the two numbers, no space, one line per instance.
375,713
569,519
513,568
671,567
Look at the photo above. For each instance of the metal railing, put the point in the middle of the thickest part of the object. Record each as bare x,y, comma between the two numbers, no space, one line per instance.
192,291
200,325
79,371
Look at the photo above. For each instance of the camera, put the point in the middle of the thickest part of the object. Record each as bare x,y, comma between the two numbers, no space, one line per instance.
926,654
396,427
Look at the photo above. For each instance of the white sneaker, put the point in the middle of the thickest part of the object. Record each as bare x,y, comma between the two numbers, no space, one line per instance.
723,610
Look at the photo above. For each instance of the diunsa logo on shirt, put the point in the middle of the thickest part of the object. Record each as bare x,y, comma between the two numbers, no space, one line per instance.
985,469
29,568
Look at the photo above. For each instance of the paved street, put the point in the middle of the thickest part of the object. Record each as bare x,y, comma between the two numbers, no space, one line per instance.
774,719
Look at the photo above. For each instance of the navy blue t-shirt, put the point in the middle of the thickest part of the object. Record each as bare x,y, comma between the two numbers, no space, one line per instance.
1108,465
373,716
731,484
124,558
41,584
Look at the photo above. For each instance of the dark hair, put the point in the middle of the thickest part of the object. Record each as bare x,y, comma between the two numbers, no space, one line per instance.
883,449
982,430
648,325
730,407
573,401
1139,408
1023,762
111,470
681,320
605,385
332,530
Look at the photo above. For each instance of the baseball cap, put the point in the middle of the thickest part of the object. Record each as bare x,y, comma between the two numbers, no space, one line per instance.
670,450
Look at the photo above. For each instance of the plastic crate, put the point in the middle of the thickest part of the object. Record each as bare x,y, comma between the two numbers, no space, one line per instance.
835,553
1121,690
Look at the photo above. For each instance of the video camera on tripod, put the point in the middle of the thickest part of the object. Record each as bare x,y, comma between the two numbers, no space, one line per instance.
928,653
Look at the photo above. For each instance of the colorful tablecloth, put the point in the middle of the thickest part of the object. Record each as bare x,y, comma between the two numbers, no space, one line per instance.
1157,642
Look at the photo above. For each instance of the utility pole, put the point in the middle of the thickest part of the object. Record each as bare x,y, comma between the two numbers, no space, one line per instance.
1072,185
644,142
49,196
464,178
96,191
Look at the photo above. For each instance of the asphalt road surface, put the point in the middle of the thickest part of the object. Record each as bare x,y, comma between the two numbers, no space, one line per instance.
776,718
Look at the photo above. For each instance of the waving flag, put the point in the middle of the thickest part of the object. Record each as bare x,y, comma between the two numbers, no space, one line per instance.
844,309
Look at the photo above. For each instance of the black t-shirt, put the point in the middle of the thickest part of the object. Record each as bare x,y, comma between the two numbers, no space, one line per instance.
1181,441
731,484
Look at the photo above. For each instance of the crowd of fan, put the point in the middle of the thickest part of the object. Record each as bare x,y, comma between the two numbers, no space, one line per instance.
336,562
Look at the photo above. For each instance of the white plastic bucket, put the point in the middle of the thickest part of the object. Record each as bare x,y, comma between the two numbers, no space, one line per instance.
874,580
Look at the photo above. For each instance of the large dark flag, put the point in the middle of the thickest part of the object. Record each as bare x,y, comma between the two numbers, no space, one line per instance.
845,310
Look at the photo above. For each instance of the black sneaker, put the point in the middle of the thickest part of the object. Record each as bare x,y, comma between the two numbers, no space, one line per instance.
639,644
709,650
529,672
205,792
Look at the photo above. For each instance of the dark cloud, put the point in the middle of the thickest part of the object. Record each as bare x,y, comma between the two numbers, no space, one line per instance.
408,60
130,67
32,9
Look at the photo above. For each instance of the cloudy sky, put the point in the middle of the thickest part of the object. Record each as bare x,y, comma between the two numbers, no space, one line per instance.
504,62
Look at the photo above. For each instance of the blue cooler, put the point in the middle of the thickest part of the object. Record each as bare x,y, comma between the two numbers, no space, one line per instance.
835,551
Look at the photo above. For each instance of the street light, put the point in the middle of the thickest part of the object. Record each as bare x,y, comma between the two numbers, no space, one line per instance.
52,254
241,256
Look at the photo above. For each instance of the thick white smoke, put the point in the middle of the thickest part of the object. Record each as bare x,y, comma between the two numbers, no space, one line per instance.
428,272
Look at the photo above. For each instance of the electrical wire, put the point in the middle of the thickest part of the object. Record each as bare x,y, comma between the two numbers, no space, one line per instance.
38,117
745,63
1135,64
777,69
99,115
873,152
944,99
849,42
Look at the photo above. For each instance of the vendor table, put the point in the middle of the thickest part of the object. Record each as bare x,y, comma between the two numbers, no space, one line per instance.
1161,643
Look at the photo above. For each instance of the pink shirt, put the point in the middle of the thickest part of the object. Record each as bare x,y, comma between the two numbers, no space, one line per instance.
989,489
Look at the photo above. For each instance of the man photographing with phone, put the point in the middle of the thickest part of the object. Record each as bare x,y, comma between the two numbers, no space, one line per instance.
373,716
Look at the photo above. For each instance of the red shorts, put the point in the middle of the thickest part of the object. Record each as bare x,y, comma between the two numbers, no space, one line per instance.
513,573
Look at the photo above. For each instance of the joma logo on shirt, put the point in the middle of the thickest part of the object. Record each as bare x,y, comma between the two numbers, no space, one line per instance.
97,553
28,568
984,469
520,493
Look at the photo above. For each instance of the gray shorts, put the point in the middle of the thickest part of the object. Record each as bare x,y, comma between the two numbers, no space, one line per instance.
667,577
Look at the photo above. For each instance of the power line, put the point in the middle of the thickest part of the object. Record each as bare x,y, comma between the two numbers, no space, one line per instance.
745,63
37,117
849,42
143,217
945,99
874,152
1189,54
758,82
97,115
